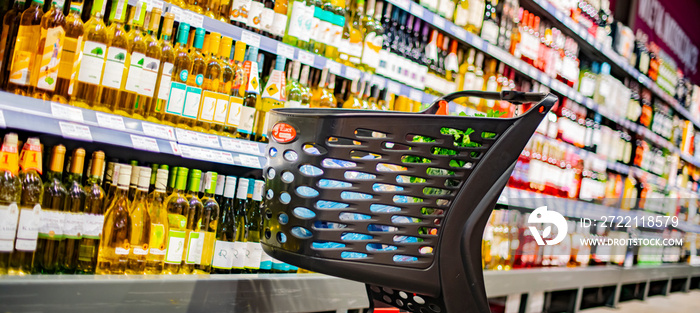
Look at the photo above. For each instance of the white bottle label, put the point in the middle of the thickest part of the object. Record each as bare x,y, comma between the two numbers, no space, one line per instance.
176,100
164,88
9,216
253,255
223,255
298,21
234,111
176,246
208,107
279,24
267,19
246,120
240,10
114,68
239,254
221,110
192,102
489,31
149,76
121,251
92,225
140,251
373,44
73,225
255,15
194,248
93,60
28,228
133,79
51,224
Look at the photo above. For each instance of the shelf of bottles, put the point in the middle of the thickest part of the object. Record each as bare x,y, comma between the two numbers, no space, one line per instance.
88,125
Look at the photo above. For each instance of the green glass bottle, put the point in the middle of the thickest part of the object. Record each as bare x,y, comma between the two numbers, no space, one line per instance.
177,206
193,245
74,217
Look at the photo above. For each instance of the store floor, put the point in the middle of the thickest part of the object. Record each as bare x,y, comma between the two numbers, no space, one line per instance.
676,302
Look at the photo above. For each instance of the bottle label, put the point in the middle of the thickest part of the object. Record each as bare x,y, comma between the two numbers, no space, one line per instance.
335,35
214,106
49,61
462,15
299,23
223,255
265,261
194,248
73,225
177,221
221,109
207,240
149,76
133,79
93,60
253,255
114,67
164,87
278,265
192,100
176,98
92,225
51,224
267,19
9,216
447,8
141,250
279,24
489,31
477,13
157,240
239,11
247,119
176,245
373,44
239,255
255,15
315,25
23,58
234,112
324,32
28,228
122,250
70,60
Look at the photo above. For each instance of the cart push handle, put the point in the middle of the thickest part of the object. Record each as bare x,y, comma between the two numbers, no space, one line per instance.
514,97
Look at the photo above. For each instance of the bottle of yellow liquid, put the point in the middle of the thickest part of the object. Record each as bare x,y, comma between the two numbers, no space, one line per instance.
51,230
70,57
131,89
208,223
114,243
86,88
177,206
26,47
273,96
246,129
181,69
139,226
158,214
9,197
73,214
193,245
227,77
115,63
156,111
45,71
93,216
195,79
212,81
150,68
238,86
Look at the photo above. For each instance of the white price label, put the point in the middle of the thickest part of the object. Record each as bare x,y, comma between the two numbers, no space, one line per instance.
144,143
175,10
158,131
416,95
393,87
379,81
571,93
2,119
286,51
250,38
231,144
460,32
352,73
249,161
76,131
225,157
251,148
438,21
65,112
175,147
545,80
207,140
416,9
402,4
110,121
196,20
478,42
579,98
333,67
533,72
186,136
306,57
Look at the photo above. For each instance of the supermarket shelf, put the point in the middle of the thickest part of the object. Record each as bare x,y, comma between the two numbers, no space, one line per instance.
611,165
576,208
277,292
273,46
612,56
31,114
473,40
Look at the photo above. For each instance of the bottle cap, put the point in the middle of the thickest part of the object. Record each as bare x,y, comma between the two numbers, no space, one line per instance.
230,186
251,187
242,188
225,47
154,170
220,183
58,155
155,19
164,167
77,161
172,177
167,24
199,38
161,179
11,140
181,178
115,174
214,42
144,177
210,182
183,31
134,174
195,178
239,53
98,161
258,190
124,175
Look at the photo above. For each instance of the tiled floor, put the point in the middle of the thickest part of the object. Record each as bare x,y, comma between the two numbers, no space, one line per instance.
675,303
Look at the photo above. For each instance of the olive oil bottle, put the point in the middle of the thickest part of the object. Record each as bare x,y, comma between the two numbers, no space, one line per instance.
114,242
93,218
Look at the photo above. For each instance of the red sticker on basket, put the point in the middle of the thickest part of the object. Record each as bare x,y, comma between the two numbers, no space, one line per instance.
283,132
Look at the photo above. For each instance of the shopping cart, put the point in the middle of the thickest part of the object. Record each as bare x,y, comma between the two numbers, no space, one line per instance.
398,201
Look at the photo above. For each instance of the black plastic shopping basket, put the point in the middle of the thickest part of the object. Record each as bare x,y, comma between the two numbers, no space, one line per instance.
398,201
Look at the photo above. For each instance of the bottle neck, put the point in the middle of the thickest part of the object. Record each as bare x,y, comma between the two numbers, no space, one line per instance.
54,175
74,177
140,193
94,180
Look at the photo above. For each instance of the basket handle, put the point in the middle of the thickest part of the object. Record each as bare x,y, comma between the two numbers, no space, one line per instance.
512,96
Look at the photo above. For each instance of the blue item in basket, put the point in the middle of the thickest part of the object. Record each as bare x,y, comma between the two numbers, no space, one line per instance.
310,170
324,204
355,237
383,208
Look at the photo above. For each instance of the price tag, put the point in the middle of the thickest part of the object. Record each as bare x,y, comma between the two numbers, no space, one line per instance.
197,20
186,136
459,32
286,51
65,112
251,148
144,143
558,15
226,157
571,93
75,131
2,119
306,57
249,161
533,72
352,73
207,140
393,87
250,38
110,121
231,144
402,4
187,16
379,81
438,21
417,10
175,147
158,131
579,98
545,80
333,67
175,10
416,95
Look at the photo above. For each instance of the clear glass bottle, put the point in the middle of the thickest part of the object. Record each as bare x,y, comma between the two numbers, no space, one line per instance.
10,197
209,223
192,254
10,25
158,213
115,62
223,257
70,56
195,79
93,217
177,206
25,51
73,223
156,111
139,225
86,88
45,72
239,245
47,256
114,242
252,229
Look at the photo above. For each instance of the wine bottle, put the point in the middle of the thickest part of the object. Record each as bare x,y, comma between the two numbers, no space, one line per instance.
247,119
45,71
93,217
192,253
69,247
114,242
224,249
227,76
10,25
177,206
182,66
158,215
25,51
139,225
240,246
195,79
252,228
237,90
212,81
52,216
70,56
86,89
156,111
279,23
10,197
208,223
22,258
134,182
272,97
